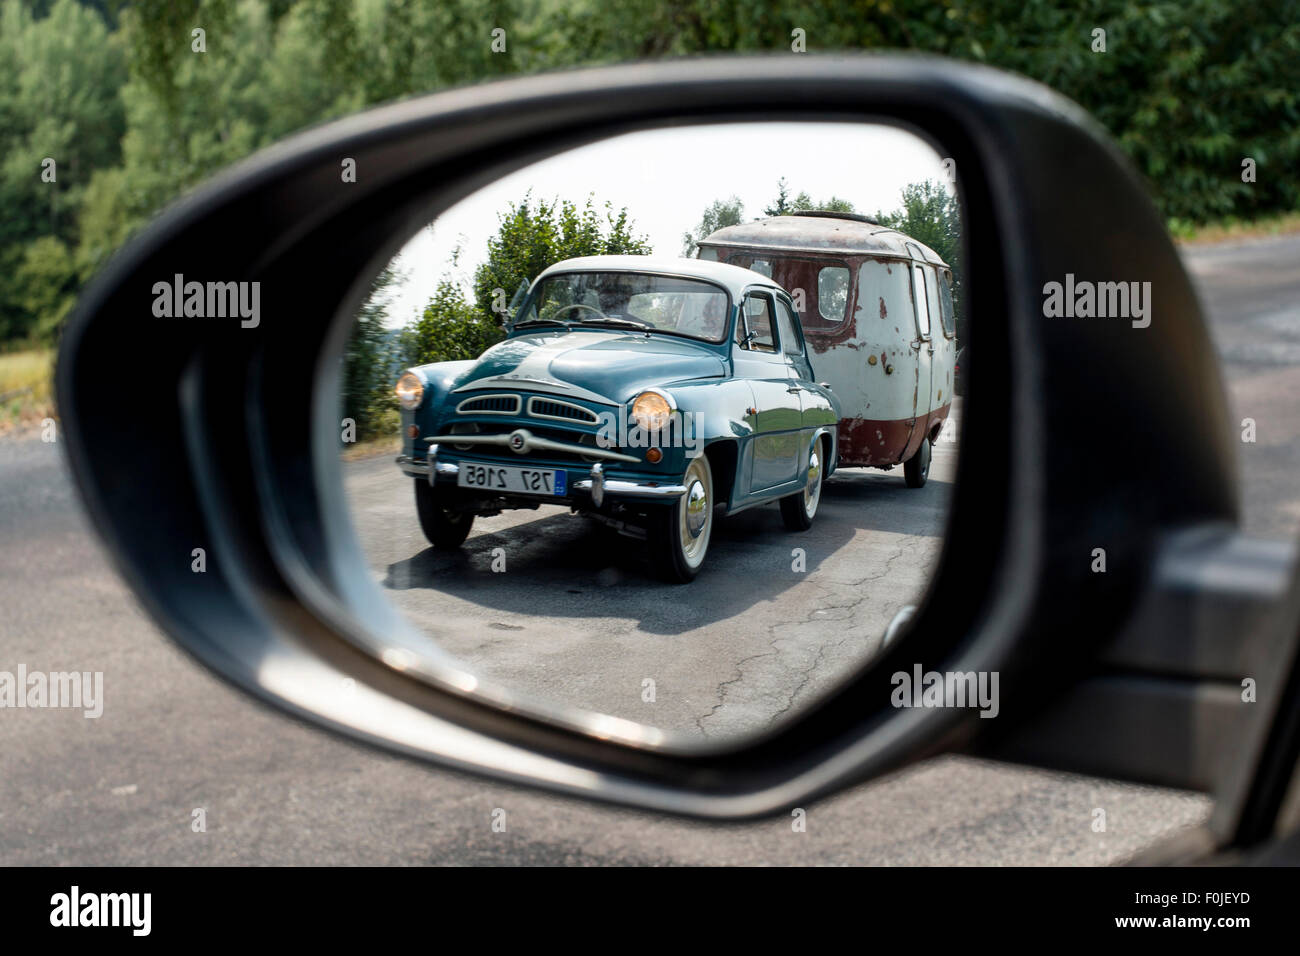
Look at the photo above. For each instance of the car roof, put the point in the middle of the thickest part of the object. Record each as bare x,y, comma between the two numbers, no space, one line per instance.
826,233
733,278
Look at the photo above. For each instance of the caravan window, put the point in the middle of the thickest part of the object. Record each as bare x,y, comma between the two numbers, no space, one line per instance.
921,301
946,313
821,287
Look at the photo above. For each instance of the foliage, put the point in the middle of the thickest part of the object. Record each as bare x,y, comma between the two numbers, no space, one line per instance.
721,213
451,328
26,387
134,116
59,82
784,205
534,234
370,360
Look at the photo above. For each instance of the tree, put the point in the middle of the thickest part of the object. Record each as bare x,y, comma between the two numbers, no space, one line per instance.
534,234
804,203
369,361
451,328
784,205
722,212
61,119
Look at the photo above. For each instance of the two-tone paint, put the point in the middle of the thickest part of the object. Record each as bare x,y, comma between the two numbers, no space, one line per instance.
886,346
757,416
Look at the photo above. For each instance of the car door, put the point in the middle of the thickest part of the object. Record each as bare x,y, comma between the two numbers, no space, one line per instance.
813,409
777,418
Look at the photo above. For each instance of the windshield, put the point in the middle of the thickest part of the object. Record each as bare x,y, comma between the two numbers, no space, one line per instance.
630,300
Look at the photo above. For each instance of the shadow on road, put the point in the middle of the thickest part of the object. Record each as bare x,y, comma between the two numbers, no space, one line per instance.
555,559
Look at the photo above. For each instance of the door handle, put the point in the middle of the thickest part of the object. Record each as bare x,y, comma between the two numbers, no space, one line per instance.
794,389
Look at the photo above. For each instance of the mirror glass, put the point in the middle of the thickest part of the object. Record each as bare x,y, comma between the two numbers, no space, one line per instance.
665,427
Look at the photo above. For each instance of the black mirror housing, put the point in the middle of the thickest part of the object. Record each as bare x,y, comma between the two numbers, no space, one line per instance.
237,454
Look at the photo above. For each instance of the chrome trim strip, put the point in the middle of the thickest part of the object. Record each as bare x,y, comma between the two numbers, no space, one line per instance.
666,396
460,409
546,386
531,442
411,466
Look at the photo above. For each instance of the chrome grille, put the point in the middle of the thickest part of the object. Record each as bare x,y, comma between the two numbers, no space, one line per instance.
563,411
489,405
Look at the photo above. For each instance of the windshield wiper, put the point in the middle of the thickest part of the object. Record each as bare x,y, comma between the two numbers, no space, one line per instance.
524,325
624,323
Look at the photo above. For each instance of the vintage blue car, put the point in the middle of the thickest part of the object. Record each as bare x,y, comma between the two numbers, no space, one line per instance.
649,393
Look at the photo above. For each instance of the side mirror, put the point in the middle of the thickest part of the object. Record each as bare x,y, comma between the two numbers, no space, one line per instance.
1056,460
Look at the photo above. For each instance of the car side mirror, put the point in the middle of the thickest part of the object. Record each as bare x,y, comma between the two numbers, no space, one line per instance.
239,453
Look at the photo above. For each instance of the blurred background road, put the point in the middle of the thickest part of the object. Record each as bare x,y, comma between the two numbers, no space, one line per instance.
122,789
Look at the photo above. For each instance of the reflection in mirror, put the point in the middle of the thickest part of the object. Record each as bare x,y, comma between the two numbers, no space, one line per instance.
675,419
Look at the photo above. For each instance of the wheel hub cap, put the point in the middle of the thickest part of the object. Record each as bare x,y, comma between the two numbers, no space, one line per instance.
697,508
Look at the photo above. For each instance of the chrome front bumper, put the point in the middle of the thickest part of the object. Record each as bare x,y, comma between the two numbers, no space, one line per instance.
595,484
598,486
417,469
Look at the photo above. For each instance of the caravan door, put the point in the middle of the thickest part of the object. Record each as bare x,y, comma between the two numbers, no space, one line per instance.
925,310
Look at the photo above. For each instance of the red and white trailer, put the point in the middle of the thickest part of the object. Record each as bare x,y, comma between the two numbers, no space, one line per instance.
877,313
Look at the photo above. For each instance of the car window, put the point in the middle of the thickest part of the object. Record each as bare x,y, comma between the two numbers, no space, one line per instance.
785,320
762,267
673,304
946,312
832,293
920,300
758,321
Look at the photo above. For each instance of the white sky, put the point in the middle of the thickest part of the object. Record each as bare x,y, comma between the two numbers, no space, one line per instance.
667,178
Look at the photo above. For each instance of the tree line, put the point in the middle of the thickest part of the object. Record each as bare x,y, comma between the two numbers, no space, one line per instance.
109,110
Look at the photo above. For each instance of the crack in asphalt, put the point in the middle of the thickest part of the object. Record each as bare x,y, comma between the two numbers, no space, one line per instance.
775,651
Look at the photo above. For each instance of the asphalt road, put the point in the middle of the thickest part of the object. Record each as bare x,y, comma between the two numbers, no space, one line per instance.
172,739
573,613
1251,291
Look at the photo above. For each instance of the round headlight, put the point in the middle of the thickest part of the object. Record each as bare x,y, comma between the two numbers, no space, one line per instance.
651,411
409,390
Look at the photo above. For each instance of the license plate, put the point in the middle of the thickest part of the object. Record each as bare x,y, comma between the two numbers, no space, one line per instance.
527,481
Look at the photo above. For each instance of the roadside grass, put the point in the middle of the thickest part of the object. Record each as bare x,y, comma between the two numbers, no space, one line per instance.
1189,234
372,448
26,388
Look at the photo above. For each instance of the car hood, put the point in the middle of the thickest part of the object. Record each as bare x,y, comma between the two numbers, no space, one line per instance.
599,366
